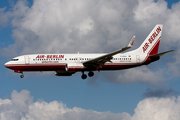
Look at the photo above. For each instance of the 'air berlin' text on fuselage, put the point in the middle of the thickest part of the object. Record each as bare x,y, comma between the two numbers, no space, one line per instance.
151,39
50,56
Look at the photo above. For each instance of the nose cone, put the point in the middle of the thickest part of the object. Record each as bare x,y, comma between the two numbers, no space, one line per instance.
7,64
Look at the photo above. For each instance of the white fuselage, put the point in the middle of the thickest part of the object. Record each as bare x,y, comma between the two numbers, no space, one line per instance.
55,62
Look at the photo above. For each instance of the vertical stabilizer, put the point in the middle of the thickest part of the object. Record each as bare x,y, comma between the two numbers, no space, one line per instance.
151,44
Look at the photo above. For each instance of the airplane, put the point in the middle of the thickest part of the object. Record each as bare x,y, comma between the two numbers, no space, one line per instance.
68,64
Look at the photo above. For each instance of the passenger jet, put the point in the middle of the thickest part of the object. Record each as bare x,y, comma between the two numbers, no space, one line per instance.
68,64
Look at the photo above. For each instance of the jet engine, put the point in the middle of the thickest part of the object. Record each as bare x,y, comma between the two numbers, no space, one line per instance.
74,67
63,73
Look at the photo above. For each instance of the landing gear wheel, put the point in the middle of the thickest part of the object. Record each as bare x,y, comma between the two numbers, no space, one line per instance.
21,76
84,76
90,74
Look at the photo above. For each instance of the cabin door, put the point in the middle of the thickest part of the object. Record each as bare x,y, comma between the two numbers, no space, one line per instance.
26,59
137,58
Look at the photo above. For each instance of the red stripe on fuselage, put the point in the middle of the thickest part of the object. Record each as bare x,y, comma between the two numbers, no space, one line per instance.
37,67
61,66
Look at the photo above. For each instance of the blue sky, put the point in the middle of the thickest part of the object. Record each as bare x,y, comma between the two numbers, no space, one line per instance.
115,91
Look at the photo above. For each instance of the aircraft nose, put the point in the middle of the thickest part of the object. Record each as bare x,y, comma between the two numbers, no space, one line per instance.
7,64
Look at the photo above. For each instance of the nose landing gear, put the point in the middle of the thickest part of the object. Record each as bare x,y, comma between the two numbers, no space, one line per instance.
22,76
18,71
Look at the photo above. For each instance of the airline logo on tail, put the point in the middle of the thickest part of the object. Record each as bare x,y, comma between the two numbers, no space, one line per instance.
152,38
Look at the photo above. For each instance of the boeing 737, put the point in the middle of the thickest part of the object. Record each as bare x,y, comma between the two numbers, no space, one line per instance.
68,64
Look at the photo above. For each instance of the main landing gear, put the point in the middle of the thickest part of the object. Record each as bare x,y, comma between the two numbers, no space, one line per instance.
84,76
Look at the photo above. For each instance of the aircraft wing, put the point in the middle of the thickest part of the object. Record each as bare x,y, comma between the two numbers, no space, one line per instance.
94,63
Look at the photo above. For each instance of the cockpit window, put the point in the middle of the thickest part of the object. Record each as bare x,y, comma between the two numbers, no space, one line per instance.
14,59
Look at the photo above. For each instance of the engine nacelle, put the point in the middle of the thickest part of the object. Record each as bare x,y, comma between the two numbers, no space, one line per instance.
63,73
74,67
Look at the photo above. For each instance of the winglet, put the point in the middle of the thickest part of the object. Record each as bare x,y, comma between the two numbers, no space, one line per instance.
131,42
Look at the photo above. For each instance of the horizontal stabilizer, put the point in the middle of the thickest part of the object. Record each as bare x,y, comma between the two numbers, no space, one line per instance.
160,54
